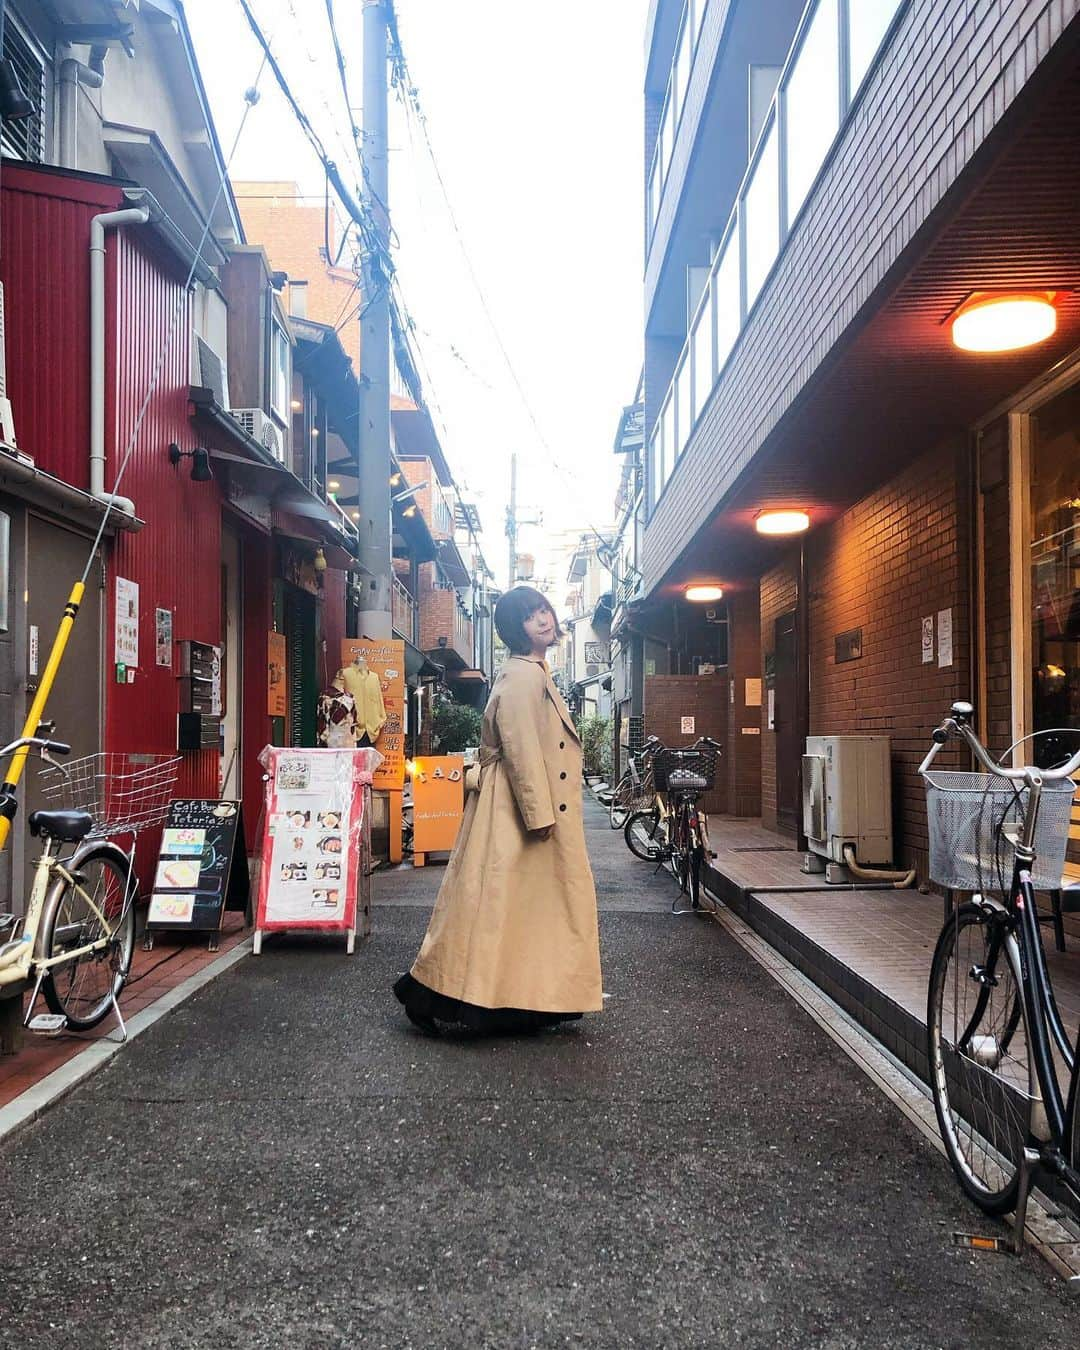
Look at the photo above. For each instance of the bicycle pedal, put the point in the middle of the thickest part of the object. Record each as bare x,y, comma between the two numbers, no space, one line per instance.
47,1024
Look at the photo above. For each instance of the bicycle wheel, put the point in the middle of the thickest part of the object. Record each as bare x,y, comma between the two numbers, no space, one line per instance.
980,1062
100,906
646,835
621,801
697,857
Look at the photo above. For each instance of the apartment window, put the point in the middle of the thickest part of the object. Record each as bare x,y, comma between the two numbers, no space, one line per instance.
279,371
702,347
667,445
298,299
761,209
812,104
697,8
684,411
682,66
726,299
25,138
654,467
868,21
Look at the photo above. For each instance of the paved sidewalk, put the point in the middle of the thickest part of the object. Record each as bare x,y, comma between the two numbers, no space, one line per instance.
283,1161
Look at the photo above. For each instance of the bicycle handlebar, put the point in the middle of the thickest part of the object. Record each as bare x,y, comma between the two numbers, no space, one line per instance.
46,747
959,724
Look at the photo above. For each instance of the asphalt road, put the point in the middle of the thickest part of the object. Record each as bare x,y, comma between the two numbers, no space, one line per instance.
283,1162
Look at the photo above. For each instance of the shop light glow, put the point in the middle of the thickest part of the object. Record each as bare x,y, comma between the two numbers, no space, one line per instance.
1004,323
703,594
333,485
781,522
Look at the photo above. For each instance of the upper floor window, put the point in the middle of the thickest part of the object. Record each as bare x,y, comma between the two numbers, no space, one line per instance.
279,371
24,138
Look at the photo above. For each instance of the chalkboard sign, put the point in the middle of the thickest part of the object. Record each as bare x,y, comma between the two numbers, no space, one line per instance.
201,869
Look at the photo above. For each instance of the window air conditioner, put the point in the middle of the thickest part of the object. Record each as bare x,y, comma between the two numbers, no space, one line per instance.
262,428
847,798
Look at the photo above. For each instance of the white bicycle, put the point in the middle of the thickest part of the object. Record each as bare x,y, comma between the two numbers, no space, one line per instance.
76,938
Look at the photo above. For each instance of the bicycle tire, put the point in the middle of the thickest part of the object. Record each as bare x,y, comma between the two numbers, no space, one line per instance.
697,857
979,1050
644,833
83,990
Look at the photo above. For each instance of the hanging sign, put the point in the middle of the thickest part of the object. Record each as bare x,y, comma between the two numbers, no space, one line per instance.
311,852
277,698
386,659
201,869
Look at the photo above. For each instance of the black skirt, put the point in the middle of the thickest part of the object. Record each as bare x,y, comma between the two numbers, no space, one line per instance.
435,1013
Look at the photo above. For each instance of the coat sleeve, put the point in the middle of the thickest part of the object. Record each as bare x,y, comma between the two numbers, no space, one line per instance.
517,720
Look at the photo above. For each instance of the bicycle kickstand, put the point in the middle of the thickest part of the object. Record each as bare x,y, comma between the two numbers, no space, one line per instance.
119,1018
33,998
1029,1165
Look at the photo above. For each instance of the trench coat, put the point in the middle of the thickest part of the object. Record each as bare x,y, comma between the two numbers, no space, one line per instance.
514,924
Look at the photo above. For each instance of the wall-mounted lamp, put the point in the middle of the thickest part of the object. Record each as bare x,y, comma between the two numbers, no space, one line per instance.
334,485
319,562
988,322
781,522
395,479
355,515
409,511
200,462
297,405
702,595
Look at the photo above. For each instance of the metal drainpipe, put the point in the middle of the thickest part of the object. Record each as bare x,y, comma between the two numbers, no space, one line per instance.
72,74
134,215
802,684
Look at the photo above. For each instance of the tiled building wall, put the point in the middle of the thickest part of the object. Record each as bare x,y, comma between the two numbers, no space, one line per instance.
954,68
895,558
670,698
742,760
779,592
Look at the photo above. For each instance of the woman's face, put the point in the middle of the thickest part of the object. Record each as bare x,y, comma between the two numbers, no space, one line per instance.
540,628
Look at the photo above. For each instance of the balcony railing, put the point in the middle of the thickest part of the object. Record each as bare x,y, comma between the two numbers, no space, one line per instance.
834,49
404,611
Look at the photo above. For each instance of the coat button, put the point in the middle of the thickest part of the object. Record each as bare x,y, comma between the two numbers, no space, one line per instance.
562,745
563,774
563,807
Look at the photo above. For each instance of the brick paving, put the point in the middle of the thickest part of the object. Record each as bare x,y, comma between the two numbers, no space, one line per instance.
153,974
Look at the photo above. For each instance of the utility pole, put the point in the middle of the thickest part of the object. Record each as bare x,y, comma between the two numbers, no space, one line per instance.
376,619
511,523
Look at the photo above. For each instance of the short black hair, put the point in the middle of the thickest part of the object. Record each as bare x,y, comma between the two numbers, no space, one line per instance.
511,611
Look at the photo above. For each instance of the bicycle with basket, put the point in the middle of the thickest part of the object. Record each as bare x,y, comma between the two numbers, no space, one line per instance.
675,829
77,935
1003,1069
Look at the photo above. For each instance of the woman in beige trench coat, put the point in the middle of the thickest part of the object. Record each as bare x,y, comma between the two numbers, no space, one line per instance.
512,944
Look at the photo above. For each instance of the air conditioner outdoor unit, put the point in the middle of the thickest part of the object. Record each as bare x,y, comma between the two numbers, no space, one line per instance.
262,428
847,798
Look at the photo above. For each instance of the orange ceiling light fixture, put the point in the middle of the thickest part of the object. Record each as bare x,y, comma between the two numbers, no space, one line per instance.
1004,321
782,522
703,594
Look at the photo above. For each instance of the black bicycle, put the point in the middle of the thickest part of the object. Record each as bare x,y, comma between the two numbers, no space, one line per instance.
634,790
1002,1069
675,829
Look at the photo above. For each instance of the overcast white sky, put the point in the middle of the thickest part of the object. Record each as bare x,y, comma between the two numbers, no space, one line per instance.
534,110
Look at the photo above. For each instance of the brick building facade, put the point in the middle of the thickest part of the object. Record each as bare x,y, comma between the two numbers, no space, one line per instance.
901,158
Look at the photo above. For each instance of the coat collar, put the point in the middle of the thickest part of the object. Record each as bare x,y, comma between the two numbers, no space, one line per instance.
552,690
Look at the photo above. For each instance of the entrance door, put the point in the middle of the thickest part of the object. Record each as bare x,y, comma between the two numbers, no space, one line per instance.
788,749
232,629
55,560
300,638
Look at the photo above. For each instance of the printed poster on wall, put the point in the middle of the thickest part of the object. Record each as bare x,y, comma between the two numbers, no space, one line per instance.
387,660
277,699
311,847
163,644
126,636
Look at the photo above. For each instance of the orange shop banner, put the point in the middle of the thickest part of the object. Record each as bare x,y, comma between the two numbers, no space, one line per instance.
386,659
277,697
438,791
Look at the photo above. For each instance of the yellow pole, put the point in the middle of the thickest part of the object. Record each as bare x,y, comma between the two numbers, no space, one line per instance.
37,708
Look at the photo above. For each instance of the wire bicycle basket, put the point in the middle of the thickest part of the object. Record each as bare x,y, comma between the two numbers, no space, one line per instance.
693,769
974,820
125,792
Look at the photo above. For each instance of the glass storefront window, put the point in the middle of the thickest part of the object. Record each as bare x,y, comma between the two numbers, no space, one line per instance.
702,349
812,104
761,208
1055,580
867,22
726,299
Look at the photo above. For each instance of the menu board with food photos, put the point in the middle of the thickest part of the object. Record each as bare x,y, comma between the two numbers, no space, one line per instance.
312,849
201,869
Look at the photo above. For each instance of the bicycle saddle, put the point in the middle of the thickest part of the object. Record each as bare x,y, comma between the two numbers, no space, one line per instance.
685,780
67,827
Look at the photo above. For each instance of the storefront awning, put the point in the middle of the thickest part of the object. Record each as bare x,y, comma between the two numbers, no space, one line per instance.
20,477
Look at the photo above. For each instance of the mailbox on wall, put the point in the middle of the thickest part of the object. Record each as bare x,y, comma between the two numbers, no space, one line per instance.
199,711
